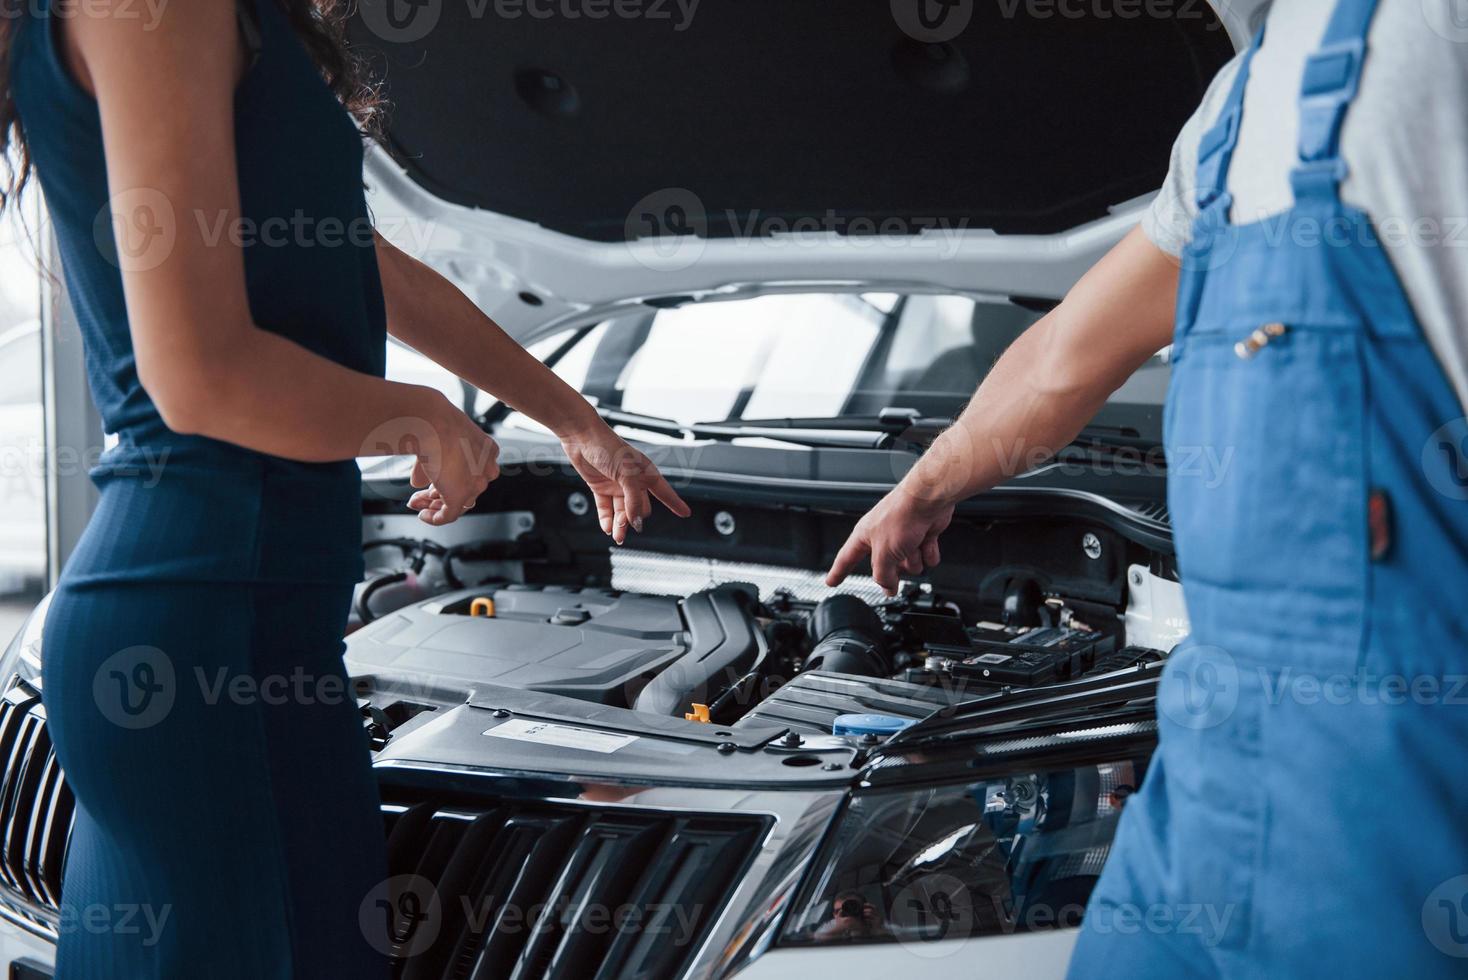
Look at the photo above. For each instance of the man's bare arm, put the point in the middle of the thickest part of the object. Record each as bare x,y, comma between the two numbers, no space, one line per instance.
1046,387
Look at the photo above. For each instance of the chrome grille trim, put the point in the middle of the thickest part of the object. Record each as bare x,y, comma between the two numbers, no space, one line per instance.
36,813
540,866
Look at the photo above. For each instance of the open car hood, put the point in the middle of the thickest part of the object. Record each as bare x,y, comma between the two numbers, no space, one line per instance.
558,158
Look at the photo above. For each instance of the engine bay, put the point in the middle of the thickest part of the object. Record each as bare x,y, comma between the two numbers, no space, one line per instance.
730,656
725,619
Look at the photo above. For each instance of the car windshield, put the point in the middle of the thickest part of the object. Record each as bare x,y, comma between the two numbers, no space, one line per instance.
816,355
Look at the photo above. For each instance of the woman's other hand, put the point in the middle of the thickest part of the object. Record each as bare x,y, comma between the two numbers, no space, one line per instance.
454,465
621,479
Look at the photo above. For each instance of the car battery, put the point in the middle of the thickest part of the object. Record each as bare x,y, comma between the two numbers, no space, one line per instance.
1002,655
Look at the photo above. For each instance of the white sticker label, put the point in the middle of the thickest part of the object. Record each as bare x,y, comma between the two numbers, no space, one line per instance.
562,735
992,658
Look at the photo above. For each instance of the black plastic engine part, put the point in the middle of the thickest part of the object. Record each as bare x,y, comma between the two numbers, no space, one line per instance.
1126,657
1040,656
593,644
1022,602
848,638
370,588
813,700
725,645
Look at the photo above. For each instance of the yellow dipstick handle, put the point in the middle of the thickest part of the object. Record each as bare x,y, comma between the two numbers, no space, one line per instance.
482,606
700,713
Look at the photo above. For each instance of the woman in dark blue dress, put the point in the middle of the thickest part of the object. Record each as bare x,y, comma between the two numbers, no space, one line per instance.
204,180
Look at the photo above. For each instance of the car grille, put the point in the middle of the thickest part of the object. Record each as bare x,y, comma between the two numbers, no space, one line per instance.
525,890
558,890
36,810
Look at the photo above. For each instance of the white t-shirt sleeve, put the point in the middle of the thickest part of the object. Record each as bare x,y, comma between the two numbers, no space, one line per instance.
1168,222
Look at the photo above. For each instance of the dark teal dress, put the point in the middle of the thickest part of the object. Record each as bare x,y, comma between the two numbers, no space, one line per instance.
193,679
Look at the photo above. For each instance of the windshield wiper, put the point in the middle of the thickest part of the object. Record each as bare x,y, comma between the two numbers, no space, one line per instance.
893,420
891,428
1113,437
829,433
636,420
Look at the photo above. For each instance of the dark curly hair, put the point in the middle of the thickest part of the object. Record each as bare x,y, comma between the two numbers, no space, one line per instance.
321,25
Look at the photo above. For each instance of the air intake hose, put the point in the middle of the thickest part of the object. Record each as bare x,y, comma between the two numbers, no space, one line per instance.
848,638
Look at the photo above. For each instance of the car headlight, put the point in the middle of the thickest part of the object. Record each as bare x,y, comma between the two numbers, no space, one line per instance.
23,655
993,856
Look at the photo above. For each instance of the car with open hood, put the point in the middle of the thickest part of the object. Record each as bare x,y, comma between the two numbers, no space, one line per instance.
777,245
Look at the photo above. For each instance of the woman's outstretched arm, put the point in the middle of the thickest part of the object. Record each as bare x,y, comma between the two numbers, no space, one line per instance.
429,314
165,93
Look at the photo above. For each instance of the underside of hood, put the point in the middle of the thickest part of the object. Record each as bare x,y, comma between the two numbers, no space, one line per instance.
610,120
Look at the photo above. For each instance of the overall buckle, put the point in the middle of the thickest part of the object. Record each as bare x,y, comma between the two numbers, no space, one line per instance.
1332,76
1317,178
1213,150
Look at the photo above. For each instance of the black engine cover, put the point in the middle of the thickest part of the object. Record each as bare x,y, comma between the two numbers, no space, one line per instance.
593,644
657,653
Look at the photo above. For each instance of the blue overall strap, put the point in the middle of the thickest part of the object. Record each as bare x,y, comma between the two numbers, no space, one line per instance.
1216,148
1331,79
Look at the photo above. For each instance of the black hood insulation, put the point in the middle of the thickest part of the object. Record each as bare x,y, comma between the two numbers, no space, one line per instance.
750,117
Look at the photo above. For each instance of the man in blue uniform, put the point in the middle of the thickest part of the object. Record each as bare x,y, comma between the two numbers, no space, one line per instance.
1308,261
